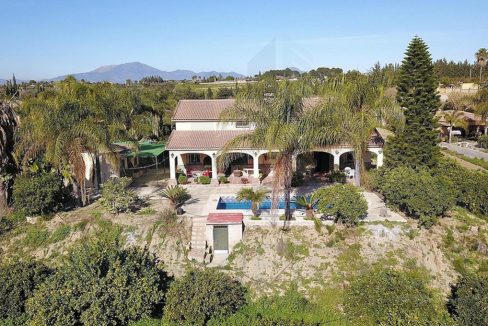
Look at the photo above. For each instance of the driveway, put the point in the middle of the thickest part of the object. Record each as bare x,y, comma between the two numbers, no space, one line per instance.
473,153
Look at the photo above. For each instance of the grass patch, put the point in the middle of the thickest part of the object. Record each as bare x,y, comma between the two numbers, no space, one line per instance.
80,226
60,234
236,251
330,228
148,211
317,224
350,263
292,251
35,236
476,161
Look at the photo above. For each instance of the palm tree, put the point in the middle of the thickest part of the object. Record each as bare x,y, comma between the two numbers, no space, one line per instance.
177,195
481,59
61,129
454,119
362,106
481,106
8,124
255,197
309,202
282,125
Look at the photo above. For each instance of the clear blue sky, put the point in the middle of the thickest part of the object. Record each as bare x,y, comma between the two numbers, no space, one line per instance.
43,39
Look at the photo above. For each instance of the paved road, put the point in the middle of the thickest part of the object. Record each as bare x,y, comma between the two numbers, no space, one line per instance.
473,153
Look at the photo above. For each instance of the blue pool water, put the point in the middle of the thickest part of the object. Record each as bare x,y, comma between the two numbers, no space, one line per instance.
230,202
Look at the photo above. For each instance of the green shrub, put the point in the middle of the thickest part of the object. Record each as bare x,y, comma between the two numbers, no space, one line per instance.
297,179
100,284
203,180
117,197
60,233
343,201
388,297
35,236
469,301
201,295
177,195
471,187
39,194
483,141
182,179
10,221
291,308
18,282
317,223
223,179
419,194
337,176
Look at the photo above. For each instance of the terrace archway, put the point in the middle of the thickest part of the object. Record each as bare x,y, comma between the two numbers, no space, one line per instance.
346,160
238,167
192,163
315,162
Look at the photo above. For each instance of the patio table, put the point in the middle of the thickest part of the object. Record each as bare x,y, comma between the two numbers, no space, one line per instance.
196,173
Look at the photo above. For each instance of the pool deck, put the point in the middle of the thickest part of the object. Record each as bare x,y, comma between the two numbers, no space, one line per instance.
205,199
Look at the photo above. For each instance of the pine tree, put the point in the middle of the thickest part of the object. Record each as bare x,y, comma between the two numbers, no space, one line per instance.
416,145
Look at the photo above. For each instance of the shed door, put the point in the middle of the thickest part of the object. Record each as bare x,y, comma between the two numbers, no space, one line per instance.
221,237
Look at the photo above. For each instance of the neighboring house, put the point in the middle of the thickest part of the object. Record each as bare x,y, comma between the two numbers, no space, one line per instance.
123,161
474,123
199,135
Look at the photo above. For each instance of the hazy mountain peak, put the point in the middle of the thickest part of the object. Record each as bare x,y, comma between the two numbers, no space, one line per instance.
137,70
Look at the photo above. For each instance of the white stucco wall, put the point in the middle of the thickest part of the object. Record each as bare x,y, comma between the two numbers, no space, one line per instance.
235,234
207,125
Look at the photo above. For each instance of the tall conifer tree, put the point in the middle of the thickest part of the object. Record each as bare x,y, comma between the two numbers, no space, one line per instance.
416,145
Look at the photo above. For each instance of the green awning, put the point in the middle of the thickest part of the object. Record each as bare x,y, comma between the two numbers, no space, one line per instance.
146,149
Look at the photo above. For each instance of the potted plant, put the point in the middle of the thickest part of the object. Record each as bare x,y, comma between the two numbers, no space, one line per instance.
308,202
255,197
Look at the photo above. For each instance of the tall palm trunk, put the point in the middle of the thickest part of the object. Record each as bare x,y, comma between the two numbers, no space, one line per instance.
357,169
450,133
287,176
3,199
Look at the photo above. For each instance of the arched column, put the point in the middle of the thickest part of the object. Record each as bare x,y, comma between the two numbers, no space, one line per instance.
379,156
337,160
172,169
255,166
214,167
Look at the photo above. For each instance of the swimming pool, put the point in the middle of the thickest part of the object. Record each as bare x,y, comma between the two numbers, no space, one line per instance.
230,202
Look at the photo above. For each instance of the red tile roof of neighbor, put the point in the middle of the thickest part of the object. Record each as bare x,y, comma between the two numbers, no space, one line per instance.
225,218
210,110
201,139
470,117
195,110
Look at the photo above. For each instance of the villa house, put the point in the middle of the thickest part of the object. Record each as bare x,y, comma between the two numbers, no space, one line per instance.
199,135
475,125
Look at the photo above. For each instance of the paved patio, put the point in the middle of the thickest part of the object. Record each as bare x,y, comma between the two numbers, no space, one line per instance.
205,199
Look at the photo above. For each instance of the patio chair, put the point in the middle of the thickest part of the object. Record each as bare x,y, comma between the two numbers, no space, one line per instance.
350,173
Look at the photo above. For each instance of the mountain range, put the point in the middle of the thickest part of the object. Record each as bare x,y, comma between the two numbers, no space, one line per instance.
136,71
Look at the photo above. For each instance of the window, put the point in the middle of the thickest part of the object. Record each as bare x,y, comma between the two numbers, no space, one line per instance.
242,124
194,158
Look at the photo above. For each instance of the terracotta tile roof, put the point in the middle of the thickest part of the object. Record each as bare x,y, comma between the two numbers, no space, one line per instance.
225,218
210,110
201,109
201,139
470,117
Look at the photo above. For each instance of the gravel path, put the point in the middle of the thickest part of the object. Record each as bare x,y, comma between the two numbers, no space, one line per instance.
473,153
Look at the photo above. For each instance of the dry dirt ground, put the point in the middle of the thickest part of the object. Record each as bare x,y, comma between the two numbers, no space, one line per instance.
267,258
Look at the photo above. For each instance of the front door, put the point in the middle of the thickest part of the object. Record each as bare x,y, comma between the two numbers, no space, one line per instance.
221,238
